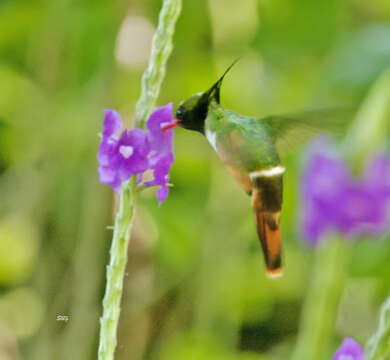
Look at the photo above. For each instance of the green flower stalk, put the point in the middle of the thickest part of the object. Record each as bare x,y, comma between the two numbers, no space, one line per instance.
378,347
320,307
151,83
161,49
115,273
372,124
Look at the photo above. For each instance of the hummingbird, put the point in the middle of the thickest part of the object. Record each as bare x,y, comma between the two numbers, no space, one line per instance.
249,149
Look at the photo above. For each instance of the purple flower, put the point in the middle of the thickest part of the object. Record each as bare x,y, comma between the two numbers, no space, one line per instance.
121,157
349,350
161,155
333,200
377,175
135,151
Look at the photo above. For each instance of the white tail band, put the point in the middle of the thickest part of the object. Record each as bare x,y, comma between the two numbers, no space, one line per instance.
277,170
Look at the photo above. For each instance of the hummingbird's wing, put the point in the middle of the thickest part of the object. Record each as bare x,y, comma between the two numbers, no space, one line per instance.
292,130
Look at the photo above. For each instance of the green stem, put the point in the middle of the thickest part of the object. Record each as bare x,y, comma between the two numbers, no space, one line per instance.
151,83
371,126
115,274
378,347
320,308
161,49
371,129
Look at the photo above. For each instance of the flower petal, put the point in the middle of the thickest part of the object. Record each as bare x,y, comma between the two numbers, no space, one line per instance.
106,174
161,176
349,349
161,115
325,176
323,179
138,162
137,138
136,151
161,142
107,150
333,200
377,175
314,222
162,193
112,123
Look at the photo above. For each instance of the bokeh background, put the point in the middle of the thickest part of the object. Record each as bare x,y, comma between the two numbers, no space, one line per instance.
195,286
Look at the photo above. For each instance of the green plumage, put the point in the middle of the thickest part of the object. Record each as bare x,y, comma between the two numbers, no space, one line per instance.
241,141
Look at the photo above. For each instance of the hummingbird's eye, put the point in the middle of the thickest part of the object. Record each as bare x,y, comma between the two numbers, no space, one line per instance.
179,113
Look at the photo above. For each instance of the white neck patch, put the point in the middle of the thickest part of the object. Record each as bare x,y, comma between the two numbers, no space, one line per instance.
212,138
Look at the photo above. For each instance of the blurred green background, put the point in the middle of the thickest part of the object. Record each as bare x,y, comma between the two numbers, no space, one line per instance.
195,285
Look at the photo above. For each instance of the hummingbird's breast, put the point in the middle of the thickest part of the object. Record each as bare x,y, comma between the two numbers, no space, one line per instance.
242,143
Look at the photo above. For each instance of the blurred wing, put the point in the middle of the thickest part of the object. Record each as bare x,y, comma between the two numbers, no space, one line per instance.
290,131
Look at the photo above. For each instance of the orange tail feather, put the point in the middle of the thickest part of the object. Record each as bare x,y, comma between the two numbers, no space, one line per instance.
267,204
268,230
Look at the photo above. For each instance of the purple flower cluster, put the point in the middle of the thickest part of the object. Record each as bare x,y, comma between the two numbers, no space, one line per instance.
349,350
333,200
134,151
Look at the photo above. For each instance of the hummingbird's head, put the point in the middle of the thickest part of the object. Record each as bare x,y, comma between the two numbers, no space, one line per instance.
191,113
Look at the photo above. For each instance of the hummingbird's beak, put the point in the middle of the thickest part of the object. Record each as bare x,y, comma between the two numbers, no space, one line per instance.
170,125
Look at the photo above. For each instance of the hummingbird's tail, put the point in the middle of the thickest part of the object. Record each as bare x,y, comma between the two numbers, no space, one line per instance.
267,204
